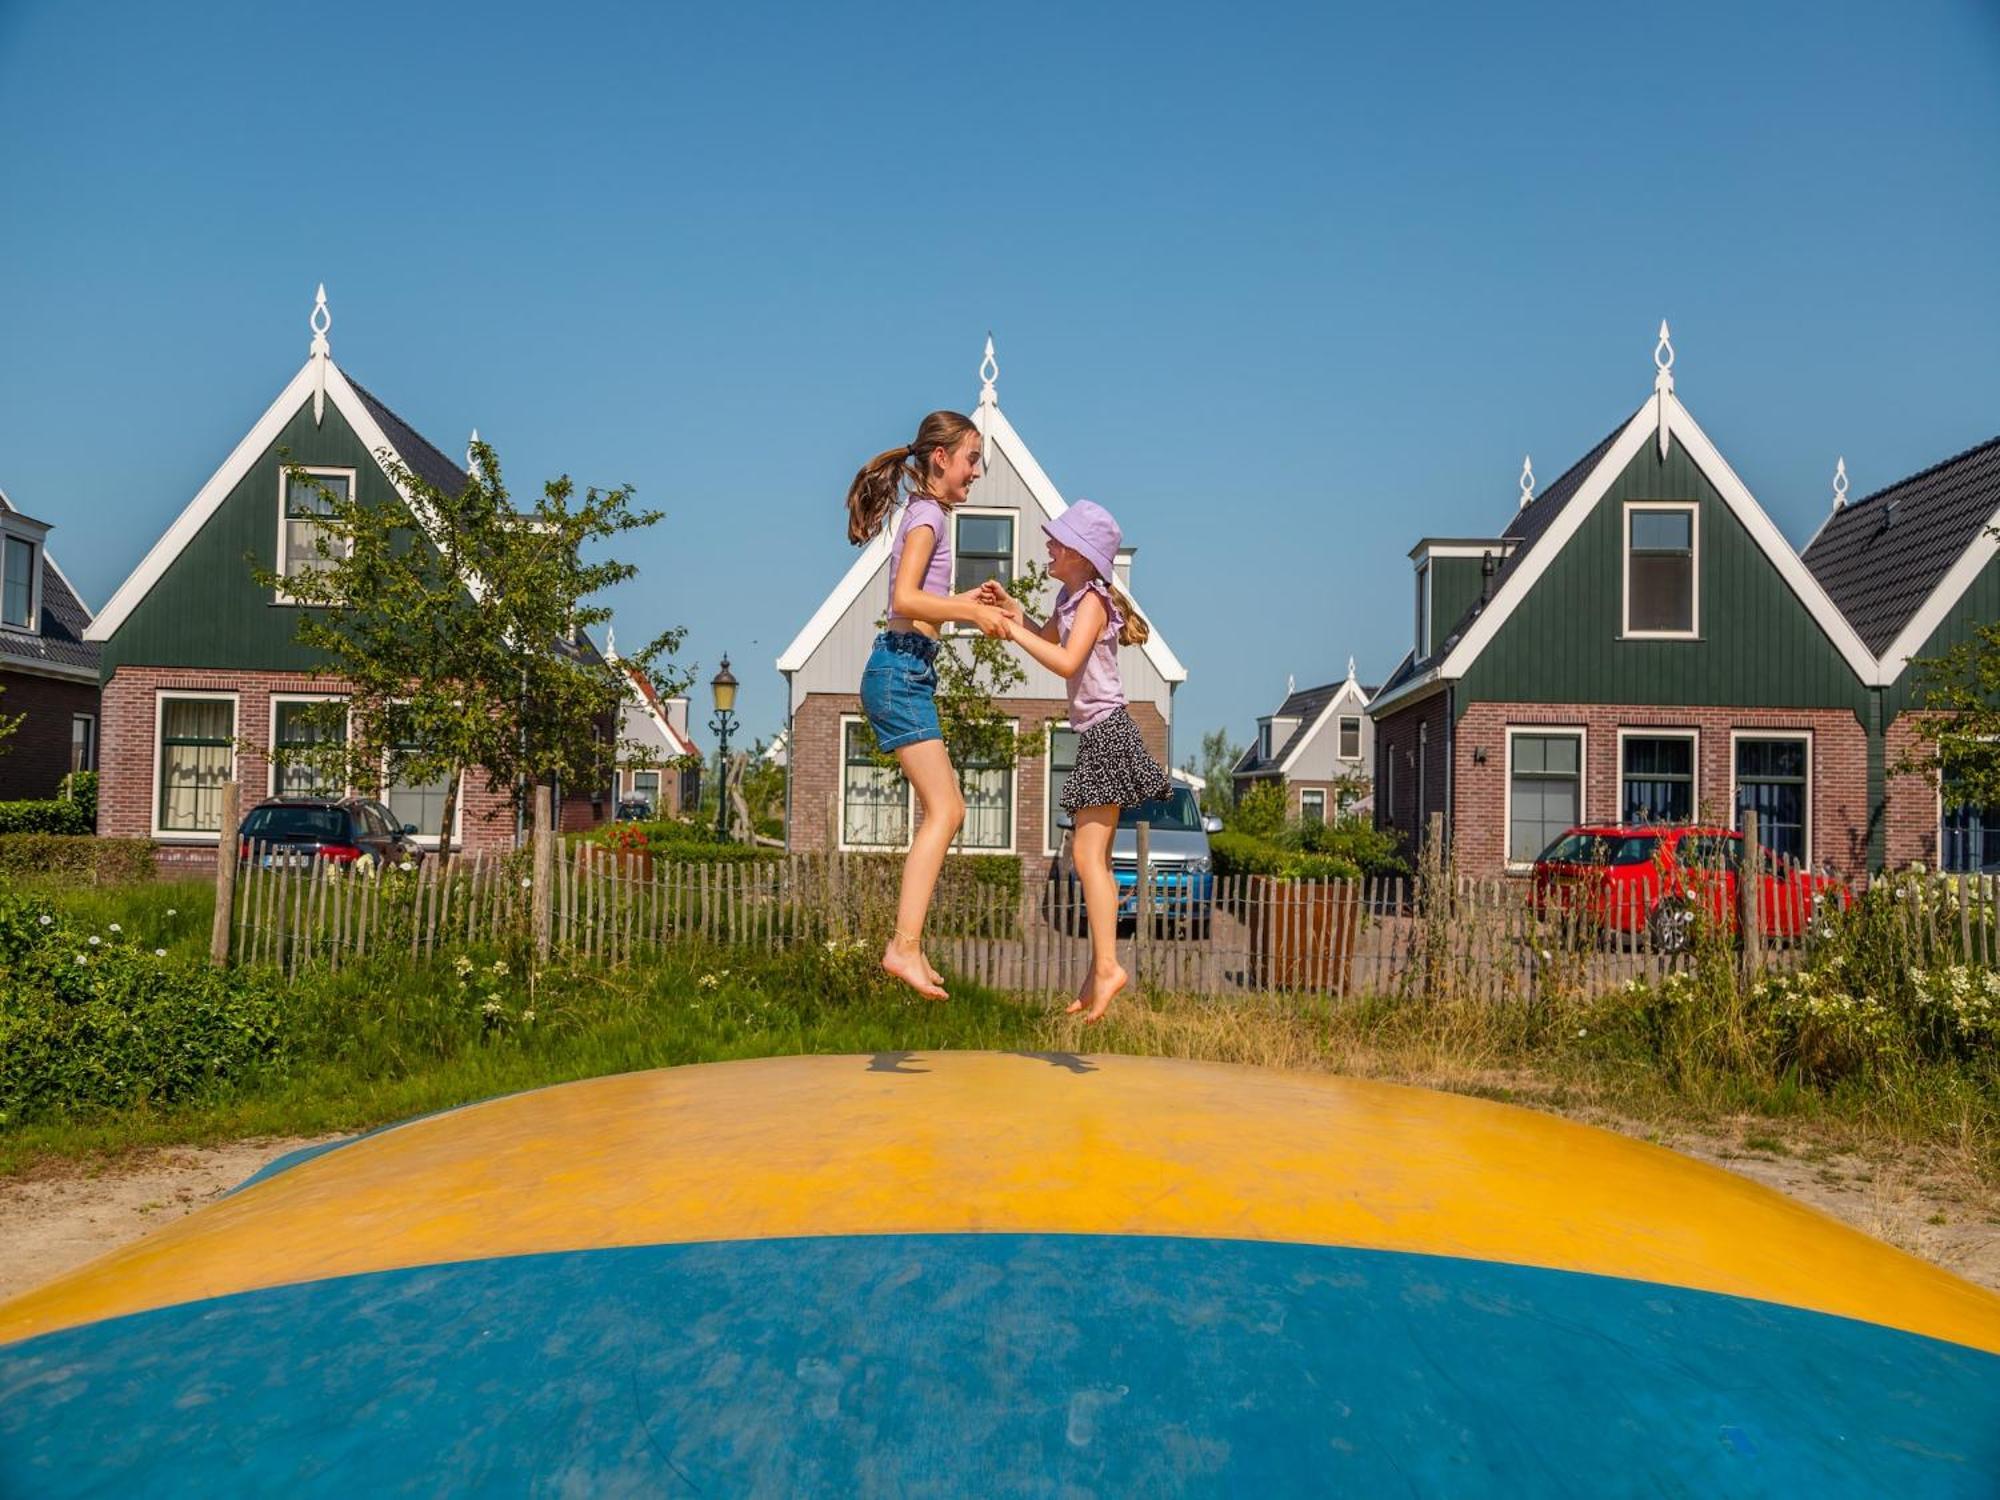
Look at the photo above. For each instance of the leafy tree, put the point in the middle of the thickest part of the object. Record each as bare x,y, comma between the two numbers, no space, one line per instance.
7,727
1260,812
1959,732
458,625
764,791
1218,756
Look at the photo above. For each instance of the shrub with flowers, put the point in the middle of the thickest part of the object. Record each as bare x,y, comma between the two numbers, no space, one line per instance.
1960,1007
99,1019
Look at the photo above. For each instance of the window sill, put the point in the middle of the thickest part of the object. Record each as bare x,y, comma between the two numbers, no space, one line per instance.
1661,635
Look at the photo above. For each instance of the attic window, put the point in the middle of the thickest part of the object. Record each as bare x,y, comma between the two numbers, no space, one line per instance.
1350,737
309,499
17,604
1264,740
1423,641
1661,574
982,548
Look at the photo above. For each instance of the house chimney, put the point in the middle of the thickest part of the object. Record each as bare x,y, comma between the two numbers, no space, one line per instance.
1487,568
677,715
1121,569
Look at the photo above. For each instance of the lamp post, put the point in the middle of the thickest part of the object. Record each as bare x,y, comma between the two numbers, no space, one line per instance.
723,684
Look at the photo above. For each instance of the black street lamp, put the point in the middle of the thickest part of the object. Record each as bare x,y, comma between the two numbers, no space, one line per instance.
723,684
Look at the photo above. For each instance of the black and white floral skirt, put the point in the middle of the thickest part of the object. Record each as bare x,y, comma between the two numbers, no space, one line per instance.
1113,767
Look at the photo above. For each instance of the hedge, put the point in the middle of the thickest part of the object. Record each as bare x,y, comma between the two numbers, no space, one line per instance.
76,856
53,816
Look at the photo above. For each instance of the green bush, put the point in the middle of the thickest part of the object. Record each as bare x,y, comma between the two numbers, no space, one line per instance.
80,787
1260,812
54,816
1243,854
76,857
99,1020
1353,842
673,839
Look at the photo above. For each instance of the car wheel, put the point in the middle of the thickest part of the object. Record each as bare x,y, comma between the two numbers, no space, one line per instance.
1671,927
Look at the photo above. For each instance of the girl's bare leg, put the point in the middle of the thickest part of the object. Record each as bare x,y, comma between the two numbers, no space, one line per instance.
1094,828
928,768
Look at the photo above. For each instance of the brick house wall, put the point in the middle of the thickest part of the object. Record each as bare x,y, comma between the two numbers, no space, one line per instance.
1910,820
815,763
128,745
1415,737
36,757
1838,775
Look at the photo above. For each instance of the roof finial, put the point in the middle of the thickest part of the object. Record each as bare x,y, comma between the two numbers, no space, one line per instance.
1840,484
472,464
1350,669
1663,382
1527,481
989,371
321,352
611,643
1291,684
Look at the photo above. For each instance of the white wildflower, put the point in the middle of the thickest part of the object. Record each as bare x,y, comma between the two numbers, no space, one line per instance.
1583,1031
172,912
406,865
499,968
528,1016
707,982
45,919
116,928
491,1008
81,959
463,965
159,953
95,940
526,882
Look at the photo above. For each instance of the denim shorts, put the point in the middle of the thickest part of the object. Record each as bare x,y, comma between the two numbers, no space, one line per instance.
899,689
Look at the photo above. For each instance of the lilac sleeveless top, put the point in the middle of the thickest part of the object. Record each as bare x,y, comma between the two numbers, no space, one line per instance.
922,511
1095,691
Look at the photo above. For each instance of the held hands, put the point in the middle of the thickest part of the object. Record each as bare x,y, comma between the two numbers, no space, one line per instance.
990,592
989,620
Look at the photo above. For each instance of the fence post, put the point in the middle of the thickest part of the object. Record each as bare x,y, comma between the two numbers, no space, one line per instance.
1749,880
1142,924
225,878
544,874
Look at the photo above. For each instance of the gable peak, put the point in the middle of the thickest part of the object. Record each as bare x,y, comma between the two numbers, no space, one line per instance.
1663,380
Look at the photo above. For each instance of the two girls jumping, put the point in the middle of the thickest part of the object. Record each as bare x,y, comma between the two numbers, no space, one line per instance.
1078,642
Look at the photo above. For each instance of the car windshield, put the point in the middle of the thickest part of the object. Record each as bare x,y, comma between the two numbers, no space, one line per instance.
1602,849
295,823
1174,813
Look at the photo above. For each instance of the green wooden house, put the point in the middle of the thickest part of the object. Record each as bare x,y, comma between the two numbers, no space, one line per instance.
1638,642
202,674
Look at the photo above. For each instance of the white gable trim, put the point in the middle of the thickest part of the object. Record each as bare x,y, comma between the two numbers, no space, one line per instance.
1951,588
1350,691
209,498
1734,494
999,433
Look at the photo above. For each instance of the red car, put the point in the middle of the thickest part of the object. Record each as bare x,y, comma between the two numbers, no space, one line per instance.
1653,878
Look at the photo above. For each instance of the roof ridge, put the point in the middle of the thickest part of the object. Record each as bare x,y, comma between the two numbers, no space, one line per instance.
1943,463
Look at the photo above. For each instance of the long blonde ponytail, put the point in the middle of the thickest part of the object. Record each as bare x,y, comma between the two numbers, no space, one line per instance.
1135,631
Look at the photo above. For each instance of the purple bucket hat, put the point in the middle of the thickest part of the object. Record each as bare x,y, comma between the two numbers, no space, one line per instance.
1089,528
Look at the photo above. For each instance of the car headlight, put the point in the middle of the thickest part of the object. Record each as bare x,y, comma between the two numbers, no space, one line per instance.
1196,866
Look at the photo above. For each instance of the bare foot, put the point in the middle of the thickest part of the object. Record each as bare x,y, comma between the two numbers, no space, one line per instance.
1075,1007
910,966
1103,987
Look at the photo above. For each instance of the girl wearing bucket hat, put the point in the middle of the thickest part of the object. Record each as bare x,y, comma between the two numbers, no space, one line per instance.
899,683
1114,770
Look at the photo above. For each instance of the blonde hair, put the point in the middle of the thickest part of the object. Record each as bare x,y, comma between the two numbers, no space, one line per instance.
873,491
1135,631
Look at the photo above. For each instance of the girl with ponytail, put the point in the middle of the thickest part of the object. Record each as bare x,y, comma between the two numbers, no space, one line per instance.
899,684
1114,769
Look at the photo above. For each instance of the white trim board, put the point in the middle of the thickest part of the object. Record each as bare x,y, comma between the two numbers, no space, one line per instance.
1930,614
210,497
999,433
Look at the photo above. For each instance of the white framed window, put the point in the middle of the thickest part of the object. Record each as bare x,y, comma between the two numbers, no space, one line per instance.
302,512
983,547
989,806
194,753
291,726
1061,761
21,588
646,784
1662,569
1263,739
1312,804
1772,776
1350,737
1545,789
83,742
420,804
875,800
1659,775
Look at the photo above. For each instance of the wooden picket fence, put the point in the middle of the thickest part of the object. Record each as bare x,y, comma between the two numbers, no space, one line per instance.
1482,939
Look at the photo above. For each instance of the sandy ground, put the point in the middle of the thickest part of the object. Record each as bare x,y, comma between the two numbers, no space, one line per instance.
56,1219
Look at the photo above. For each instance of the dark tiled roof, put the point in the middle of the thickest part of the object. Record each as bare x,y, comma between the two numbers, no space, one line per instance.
1305,705
425,461
1882,556
1405,670
60,641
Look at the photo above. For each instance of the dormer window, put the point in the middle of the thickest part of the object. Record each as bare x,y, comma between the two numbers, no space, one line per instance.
22,586
1662,579
1263,739
1423,609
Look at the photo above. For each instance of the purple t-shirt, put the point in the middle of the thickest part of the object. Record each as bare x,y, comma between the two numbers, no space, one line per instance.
1095,689
923,511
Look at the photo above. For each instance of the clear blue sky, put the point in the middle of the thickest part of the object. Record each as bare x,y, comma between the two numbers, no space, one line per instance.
1286,287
